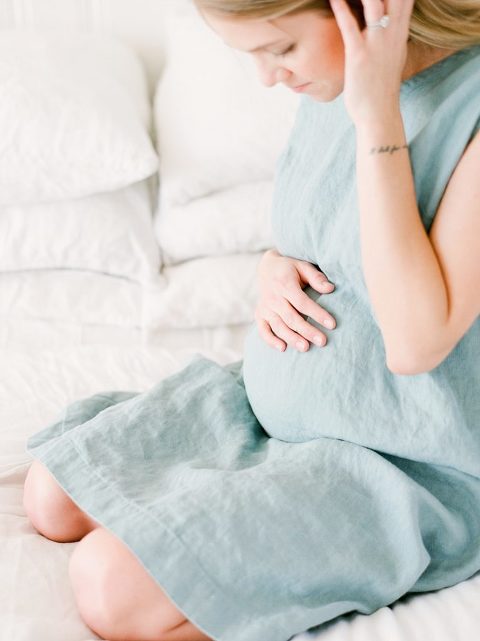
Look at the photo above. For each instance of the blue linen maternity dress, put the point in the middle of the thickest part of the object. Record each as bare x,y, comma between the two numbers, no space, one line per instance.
273,494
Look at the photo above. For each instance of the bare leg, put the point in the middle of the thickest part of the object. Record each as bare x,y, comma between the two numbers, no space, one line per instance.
51,510
186,631
118,599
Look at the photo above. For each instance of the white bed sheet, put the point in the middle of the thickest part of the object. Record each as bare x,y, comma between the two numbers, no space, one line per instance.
68,334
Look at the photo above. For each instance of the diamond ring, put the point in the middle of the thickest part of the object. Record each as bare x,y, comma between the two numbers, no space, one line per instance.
380,24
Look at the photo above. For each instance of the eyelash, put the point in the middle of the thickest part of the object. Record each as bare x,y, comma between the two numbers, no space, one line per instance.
286,51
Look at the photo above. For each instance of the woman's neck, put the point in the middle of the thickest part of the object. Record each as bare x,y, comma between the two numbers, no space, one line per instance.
421,56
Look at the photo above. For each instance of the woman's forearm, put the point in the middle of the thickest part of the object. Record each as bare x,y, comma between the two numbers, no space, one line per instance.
401,270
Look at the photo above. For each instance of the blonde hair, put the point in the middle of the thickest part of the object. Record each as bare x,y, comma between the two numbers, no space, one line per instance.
447,24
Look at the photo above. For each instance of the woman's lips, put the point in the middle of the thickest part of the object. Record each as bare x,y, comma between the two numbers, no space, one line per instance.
300,88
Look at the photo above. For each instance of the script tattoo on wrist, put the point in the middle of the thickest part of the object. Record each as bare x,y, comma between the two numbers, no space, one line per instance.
387,149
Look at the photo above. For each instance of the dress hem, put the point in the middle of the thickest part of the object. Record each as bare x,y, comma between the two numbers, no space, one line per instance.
202,600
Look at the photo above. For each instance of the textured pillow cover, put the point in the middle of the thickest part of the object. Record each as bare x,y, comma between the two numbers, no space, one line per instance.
206,292
230,221
74,114
110,233
217,127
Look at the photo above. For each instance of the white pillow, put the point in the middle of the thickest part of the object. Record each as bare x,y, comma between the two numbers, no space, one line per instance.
74,117
51,300
111,233
206,292
216,125
231,221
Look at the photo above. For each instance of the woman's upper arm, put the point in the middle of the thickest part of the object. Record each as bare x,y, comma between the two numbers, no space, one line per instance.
455,236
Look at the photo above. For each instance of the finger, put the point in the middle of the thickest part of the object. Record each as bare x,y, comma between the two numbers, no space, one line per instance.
315,278
268,336
294,339
373,10
321,283
351,34
399,12
306,306
397,9
294,321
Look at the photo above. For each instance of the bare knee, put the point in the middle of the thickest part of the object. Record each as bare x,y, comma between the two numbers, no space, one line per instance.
51,511
115,595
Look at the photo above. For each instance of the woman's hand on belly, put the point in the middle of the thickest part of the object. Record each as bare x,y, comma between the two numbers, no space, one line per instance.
282,302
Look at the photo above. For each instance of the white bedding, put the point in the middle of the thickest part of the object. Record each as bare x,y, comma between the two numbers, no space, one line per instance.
74,115
108,233
205,292
228,221
210,292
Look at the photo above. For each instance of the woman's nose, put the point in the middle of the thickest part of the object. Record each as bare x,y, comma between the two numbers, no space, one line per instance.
270,74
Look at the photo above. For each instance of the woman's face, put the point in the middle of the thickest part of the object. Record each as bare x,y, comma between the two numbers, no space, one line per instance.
294,50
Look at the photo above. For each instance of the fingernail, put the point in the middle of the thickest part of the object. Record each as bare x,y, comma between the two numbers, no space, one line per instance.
328,323
301,345
318,340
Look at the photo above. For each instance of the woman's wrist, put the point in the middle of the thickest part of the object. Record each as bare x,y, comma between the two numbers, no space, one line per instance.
267,254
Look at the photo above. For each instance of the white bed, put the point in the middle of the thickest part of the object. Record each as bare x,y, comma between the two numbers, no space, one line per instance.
67,331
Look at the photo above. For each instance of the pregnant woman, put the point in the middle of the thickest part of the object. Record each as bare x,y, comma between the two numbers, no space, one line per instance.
256,500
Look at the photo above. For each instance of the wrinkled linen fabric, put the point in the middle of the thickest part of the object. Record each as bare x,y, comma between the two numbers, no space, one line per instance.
273,494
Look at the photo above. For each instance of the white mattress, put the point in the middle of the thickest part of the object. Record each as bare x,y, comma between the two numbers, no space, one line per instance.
53,354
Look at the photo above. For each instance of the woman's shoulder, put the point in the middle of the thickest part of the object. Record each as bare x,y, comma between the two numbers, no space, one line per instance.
458,61
444,94
441,114
449,76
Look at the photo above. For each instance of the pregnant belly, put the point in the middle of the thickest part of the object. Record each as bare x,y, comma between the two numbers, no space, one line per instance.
296,395
345,391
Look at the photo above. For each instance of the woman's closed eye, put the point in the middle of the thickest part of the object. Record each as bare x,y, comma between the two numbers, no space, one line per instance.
284,53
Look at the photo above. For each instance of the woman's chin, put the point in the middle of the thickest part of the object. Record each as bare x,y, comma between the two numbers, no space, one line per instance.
323,93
